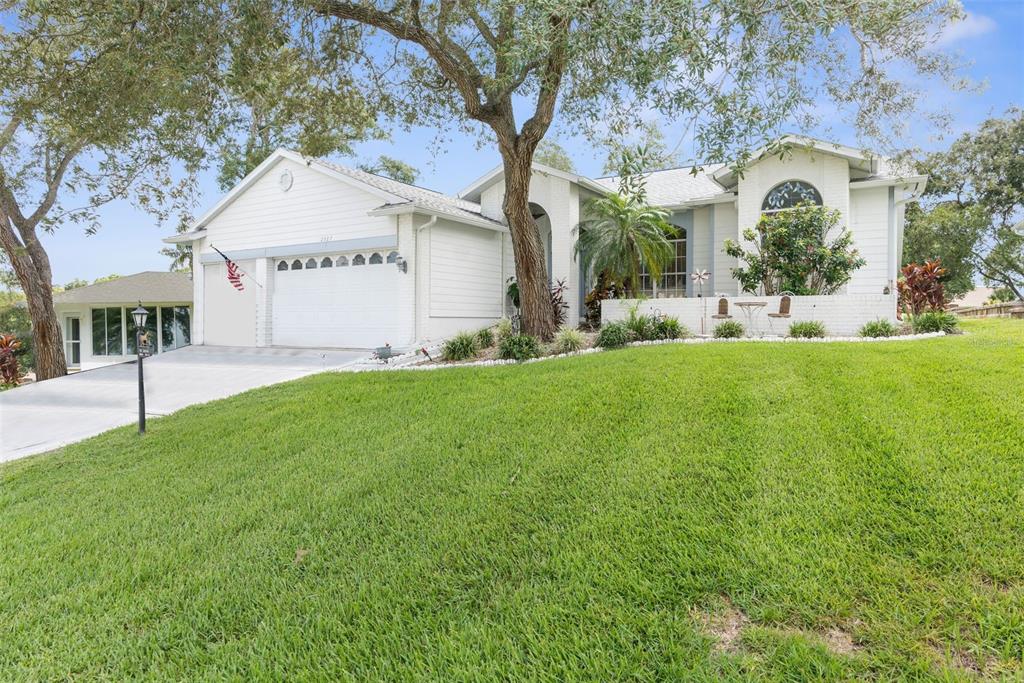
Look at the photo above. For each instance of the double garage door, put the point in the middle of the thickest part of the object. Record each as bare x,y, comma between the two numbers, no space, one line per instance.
353,306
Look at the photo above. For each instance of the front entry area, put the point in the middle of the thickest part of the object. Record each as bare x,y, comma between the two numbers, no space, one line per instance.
348,301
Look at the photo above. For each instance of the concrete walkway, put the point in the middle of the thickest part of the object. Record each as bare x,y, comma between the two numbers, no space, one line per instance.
40,417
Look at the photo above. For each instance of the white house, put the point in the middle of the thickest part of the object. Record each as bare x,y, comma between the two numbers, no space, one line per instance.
337,257
97,324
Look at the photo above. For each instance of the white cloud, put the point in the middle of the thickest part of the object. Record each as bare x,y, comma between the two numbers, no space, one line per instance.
972,26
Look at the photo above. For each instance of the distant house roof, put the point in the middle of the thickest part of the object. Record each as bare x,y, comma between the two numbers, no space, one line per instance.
148,287
976,297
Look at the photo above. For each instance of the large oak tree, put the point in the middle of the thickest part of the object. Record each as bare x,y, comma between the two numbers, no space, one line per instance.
98,102
125,101
734,70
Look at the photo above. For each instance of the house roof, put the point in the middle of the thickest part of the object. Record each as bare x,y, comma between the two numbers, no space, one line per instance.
410,195
474,189
149,287
675,186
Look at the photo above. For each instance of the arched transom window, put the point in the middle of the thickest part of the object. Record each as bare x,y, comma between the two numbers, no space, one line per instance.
790,193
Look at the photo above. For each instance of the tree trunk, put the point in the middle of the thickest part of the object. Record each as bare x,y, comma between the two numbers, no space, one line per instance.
531,270
35,280
47,340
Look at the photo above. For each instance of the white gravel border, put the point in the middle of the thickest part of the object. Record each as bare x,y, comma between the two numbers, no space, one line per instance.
411,360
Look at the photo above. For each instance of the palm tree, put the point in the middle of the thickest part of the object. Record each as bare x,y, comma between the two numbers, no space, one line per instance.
621,236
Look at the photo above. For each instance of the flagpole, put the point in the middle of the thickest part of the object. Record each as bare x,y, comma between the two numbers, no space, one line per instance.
224,256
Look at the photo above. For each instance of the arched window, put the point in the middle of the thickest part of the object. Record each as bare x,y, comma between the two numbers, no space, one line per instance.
326,262
282,265
311,263
376,259
358,260
392,257
342,261
790,193
296,264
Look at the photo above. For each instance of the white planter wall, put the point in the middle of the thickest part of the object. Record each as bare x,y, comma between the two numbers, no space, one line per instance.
842,314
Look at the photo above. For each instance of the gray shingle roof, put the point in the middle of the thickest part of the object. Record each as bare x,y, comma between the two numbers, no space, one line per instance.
149,287
675,185
419,196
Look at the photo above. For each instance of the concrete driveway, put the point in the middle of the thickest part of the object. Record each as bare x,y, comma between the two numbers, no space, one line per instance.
41,417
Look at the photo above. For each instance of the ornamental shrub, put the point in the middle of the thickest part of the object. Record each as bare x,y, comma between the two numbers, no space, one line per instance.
729,329
568,340
559,307
460,347
920,287
518,347
807,329
485,338
878,328
934,321
9,371
641,327
670,328
504,328
613,335
792,253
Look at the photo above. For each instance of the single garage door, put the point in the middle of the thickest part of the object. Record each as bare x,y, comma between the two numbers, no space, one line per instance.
229,315
345,302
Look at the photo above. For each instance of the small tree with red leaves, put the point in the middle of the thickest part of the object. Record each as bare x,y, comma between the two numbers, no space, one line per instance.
921,288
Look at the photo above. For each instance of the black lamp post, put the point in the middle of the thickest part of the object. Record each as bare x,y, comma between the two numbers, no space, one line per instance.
140,314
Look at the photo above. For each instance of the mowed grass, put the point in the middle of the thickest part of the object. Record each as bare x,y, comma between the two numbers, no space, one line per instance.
600,518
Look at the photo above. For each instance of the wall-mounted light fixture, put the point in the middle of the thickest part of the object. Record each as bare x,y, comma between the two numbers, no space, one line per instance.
402,264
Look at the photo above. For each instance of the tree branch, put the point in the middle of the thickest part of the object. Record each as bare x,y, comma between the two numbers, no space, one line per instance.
56,177
551,80
451,59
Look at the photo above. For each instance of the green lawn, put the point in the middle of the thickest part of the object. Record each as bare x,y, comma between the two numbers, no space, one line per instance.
844,511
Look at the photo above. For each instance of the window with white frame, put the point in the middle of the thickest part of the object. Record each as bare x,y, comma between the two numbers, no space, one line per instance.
672,282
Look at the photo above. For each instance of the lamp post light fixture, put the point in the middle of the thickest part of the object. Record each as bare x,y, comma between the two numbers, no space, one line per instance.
139,315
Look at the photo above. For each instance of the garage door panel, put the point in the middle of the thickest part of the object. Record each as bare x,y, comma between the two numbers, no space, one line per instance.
354,306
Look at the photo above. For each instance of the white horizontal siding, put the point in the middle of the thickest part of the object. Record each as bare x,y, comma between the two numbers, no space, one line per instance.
465,272
869,223
317,208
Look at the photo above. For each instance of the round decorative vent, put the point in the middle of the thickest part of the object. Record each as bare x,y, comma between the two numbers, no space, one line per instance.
285,180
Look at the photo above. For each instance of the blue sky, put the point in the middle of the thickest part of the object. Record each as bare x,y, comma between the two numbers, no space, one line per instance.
129,240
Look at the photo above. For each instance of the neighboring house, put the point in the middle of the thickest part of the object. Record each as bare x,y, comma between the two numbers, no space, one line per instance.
978,296
338,257
97,324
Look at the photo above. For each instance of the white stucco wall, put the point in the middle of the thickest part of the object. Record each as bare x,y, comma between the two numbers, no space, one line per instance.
842,314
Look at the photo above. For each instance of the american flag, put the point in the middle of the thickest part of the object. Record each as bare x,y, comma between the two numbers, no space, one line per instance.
234,274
